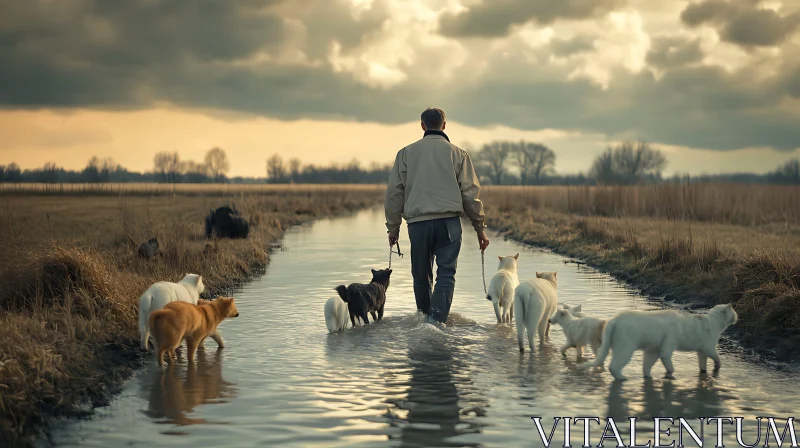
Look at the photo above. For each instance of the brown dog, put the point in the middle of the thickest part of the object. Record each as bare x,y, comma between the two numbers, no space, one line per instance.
181,320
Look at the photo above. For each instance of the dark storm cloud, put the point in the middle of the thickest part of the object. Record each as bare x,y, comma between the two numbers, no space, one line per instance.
567,47
743,22
109,54
667,52
691,106
496,17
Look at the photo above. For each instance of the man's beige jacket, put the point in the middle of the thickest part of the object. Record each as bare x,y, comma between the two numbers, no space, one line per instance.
433,178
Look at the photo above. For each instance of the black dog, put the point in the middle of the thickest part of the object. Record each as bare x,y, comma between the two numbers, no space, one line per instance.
362,299
225,222
149,248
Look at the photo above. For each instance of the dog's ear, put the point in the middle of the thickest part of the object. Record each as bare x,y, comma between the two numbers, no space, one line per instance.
516,257
555,274
388,272
578,307
373,271
538,275
500,258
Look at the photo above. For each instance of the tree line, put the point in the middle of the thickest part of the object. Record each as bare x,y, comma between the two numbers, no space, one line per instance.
500,162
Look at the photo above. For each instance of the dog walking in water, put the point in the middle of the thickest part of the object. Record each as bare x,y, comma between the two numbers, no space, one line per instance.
362,299
579,331
659,334
336,314
431,185
502,287
160,294
535,301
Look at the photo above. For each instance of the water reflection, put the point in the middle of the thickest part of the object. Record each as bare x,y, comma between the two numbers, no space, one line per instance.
401,380
441,403
175,391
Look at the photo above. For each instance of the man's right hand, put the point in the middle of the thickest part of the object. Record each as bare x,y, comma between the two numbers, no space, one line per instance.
483,240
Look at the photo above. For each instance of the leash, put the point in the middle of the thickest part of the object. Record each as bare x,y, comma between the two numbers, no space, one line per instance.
483,274
391,251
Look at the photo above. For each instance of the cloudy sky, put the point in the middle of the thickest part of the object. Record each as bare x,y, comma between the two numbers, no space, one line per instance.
714,83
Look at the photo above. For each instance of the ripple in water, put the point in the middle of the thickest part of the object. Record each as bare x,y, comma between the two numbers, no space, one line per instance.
282,380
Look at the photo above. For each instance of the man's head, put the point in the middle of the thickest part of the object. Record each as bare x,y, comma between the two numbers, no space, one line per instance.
433,119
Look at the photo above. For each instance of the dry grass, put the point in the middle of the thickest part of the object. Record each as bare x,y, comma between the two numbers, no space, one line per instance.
70,281
149,188
708,244
739,204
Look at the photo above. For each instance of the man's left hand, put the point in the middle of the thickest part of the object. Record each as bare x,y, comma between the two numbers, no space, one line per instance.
393,237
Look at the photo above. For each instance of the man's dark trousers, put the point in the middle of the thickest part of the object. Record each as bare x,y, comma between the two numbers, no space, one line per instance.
439,239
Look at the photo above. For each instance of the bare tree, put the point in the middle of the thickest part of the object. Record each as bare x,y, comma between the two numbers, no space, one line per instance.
13,173
91,173
217,164
635,162
167,166
603,168
50,173
108,166
495,156
276,171
534,161
295,167
628,163
788,173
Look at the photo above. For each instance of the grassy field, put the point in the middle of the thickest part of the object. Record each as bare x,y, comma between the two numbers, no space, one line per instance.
699,244
70,280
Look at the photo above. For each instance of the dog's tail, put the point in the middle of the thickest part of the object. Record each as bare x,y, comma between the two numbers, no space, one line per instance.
608,333
152,325
144,310
342,290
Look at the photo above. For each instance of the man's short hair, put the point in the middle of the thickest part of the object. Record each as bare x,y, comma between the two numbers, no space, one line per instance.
433,118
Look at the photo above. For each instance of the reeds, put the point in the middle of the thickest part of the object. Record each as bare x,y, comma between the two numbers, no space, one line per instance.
741,204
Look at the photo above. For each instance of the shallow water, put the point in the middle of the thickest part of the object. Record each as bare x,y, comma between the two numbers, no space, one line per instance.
282,379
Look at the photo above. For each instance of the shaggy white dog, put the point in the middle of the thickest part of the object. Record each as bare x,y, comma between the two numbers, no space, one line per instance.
575,310
336,314
579,331
161,293
659,334
501,288
534,302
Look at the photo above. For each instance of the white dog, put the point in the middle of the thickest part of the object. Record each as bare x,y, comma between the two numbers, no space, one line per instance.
659,334
336,314
579,331
501,288
161,293
575,310
534,302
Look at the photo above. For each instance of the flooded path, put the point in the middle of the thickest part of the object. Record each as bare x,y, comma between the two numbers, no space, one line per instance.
282,380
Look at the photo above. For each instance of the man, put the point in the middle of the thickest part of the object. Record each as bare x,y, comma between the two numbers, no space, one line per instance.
432,185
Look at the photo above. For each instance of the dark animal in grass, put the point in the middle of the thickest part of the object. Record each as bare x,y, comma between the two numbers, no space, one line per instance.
225,222
370,298
149,248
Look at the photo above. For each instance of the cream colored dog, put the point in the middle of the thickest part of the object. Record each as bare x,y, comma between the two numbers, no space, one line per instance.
502,287
659,334
336,314
579,331
180,320
534,302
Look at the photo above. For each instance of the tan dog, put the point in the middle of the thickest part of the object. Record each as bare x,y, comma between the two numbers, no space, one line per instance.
181,320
